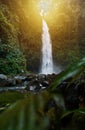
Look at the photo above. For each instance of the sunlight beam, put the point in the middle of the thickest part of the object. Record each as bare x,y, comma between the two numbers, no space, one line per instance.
44,6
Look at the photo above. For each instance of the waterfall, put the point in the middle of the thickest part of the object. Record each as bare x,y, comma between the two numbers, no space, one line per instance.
47,60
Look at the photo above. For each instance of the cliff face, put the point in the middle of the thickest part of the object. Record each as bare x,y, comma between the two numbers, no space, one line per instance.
17,28
12,60
22,26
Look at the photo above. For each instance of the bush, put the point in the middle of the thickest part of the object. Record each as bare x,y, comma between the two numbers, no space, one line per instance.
12,60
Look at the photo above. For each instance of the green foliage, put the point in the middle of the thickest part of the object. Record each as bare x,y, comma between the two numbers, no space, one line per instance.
34,112
7,29
73,70
12,60
46,110
9,98
22,24
82,47
25,115
77,118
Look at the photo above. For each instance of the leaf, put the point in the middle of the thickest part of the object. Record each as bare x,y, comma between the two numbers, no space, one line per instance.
25,115
70,72
67,113
81,110
59,101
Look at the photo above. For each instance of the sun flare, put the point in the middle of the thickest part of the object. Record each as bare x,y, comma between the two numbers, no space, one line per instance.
44,6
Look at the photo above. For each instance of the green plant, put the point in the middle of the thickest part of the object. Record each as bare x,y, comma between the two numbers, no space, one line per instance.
46,110
12,60
10,97
74,70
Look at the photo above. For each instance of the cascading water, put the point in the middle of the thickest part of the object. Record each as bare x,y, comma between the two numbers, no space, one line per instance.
47,60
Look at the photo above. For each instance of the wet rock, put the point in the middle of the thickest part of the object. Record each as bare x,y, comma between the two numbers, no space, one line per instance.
31,82
25,83
20,79
31,77
11,82
33,86
39,82
42,77
45,83
43,88
50,77
3,77
3,80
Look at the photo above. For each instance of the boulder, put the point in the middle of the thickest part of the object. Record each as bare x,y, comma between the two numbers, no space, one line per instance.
11,82
45,83
3,80
34,86
31,77
20,79
39,82
42,77
3,77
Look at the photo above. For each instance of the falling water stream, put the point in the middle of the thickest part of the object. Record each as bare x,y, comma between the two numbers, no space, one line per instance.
47,60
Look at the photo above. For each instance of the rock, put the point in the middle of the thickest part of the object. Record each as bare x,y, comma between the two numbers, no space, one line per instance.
3,77
23,78
45,83
32,82
20,79
43,88
25,83
31,77
34,86
39,82
42,77
37,85
3,80
50,77
11,82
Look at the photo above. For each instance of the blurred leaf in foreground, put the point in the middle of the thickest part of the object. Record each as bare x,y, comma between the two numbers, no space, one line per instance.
25,115
72,71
